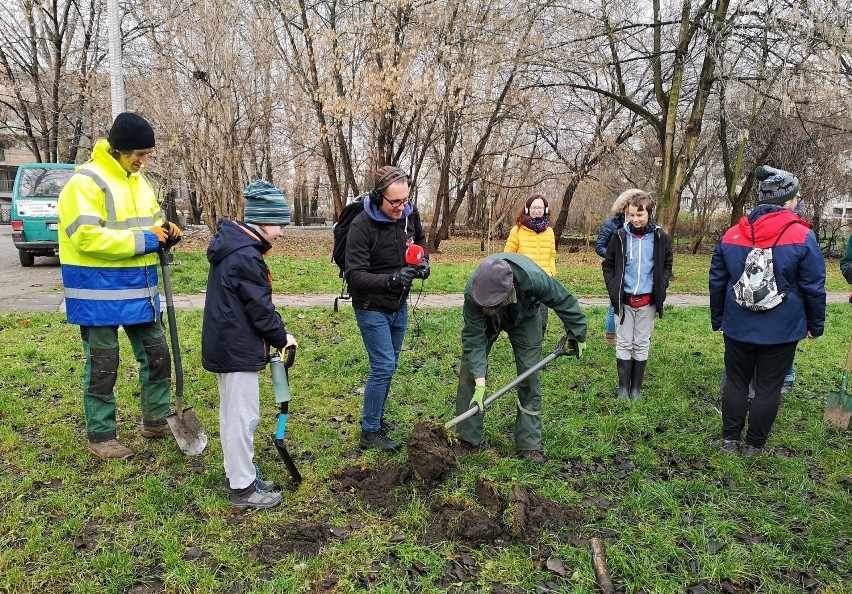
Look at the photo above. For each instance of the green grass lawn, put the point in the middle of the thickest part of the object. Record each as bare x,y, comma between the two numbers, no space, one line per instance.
300,263
673,512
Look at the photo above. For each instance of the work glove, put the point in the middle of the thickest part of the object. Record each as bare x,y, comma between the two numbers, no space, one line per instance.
172,232
478,396
402,278
581,346
422,270
162,235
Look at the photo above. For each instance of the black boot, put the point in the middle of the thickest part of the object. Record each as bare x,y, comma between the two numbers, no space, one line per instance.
636,378
624,368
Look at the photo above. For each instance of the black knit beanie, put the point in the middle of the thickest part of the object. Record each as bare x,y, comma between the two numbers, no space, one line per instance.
130,132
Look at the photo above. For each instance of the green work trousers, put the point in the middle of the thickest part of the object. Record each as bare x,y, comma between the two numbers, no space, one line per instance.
100,347
526,341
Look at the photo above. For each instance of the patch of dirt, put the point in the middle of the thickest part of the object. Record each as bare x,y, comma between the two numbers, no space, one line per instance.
375,486
429,452
303,539
533,513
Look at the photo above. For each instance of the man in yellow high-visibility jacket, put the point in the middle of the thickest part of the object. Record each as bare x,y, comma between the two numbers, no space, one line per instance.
110,229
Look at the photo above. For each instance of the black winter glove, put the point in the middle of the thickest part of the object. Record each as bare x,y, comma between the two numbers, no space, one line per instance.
847,274
402,278
422,270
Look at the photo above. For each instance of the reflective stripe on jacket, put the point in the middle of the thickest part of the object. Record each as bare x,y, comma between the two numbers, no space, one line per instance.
109,267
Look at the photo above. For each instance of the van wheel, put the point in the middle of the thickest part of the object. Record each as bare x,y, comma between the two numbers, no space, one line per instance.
27,259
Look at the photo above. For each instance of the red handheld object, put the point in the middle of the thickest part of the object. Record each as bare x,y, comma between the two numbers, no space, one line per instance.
414,254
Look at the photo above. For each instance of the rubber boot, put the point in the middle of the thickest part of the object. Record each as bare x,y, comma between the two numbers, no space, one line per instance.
624,369
636,377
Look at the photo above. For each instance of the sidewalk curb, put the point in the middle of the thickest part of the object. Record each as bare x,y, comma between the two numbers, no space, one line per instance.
55,301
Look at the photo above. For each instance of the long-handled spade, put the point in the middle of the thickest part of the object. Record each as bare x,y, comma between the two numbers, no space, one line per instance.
281,387
184,423
558,351
838,409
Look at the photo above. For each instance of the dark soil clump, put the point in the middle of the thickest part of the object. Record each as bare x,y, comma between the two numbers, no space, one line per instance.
375,485
429,452
303,539
452,520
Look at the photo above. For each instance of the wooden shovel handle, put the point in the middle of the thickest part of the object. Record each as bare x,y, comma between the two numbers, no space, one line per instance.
849,359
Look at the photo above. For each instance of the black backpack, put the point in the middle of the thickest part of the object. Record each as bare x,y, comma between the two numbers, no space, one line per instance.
341,230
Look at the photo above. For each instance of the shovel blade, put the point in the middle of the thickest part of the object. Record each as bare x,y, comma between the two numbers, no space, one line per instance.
188,432
838,410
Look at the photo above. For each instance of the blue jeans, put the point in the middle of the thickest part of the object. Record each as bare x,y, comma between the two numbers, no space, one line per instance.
382,335
609,324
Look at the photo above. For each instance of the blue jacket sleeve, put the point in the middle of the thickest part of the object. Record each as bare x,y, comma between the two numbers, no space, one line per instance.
605,233
812,284
719,278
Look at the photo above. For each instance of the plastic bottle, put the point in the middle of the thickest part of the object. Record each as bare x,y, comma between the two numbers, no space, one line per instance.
280,384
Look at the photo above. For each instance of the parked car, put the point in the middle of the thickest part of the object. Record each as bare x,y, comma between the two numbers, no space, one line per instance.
35,222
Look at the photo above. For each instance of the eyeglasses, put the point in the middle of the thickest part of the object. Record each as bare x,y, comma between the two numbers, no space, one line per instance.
397,203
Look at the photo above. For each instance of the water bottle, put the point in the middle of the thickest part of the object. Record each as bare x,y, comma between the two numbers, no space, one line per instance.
280,384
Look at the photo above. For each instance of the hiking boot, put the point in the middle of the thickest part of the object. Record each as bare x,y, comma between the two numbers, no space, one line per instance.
156,431
110,450
387,427
534,456
257,500
377,439
465,448
787,387
259,484
609,338
731,446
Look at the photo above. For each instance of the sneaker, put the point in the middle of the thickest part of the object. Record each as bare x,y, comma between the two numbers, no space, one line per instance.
534,456
752,451
259,484
156,431
465,448
718,405
731,446
377,439
257,500
787,387
387,427
609,339
110,450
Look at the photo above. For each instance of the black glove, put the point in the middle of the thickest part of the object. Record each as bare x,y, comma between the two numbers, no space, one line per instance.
402,278
172,234
422,270
847,274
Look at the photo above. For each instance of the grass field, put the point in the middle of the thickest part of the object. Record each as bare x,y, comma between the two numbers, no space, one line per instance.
675,514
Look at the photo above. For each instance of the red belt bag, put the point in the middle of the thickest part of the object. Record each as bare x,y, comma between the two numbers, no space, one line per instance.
637,300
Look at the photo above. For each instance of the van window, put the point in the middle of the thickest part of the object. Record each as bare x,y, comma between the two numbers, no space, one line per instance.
43,183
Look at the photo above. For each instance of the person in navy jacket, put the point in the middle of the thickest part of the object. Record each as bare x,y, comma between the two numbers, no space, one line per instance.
763,343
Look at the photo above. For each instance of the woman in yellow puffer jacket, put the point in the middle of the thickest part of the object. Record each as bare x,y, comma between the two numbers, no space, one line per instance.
533,237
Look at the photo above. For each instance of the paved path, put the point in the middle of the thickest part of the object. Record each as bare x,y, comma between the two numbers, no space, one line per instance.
54,301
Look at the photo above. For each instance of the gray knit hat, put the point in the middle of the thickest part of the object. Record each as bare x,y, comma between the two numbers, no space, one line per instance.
775,186
491,282
265,204
129,132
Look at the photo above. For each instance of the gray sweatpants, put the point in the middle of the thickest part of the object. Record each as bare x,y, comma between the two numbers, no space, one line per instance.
239,415
633,334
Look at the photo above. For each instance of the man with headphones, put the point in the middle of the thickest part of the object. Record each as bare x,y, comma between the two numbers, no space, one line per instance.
379,280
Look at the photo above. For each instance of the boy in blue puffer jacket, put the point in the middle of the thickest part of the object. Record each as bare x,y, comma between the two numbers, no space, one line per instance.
763,343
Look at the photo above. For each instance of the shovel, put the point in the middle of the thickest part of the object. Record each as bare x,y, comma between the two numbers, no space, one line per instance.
281,386
560,350
838,410
184,423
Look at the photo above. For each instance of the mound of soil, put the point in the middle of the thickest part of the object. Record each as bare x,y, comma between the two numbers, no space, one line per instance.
429,452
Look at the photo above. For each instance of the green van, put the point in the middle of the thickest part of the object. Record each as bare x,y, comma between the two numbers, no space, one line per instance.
35,222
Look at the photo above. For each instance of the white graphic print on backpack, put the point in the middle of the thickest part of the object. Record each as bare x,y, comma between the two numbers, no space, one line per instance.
757,288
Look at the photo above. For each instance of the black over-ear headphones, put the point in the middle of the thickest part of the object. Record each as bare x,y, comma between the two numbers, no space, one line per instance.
546,208
391,177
